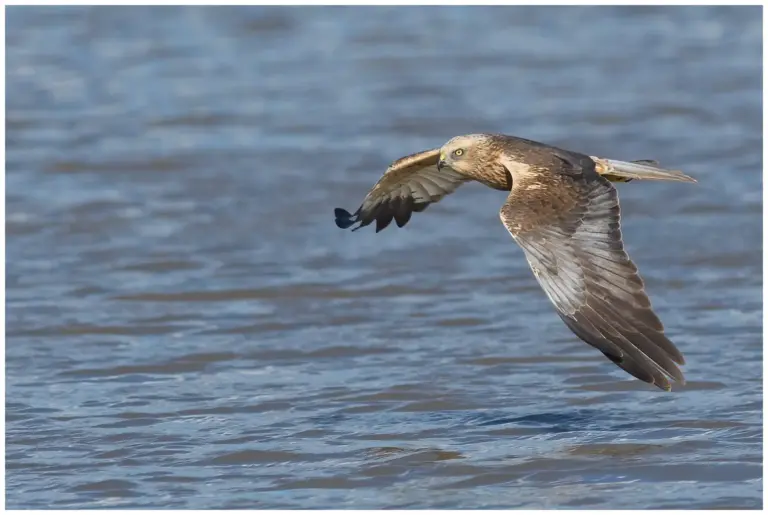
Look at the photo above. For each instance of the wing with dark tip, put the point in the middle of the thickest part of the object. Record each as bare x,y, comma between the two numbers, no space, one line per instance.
572,240
409,185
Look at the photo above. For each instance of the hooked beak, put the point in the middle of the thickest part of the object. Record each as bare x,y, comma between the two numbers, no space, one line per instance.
441,161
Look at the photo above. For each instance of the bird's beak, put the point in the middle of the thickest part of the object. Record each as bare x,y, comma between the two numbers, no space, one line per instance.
441,161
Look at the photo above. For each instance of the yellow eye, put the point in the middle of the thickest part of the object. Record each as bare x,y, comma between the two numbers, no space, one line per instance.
458,152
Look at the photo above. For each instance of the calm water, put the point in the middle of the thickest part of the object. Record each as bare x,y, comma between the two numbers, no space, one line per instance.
187,328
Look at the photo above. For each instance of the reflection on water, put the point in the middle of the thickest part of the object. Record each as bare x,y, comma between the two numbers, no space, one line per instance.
186,327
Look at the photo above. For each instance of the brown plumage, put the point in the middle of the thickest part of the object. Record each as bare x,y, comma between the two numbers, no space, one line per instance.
564,213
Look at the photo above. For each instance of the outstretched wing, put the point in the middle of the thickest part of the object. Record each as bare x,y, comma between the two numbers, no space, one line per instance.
575,250
409,184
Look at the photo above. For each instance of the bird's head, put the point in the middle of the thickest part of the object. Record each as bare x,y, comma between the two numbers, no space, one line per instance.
463,153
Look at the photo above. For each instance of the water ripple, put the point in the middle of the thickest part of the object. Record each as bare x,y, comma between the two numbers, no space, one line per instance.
186,327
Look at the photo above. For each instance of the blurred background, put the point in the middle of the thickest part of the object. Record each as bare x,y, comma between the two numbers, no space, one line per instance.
187,328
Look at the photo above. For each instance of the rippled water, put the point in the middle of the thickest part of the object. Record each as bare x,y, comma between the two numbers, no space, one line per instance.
187,328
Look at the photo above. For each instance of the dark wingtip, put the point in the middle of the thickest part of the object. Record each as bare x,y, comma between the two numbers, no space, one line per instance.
344,219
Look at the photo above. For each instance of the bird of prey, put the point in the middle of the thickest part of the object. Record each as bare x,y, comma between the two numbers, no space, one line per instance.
564,212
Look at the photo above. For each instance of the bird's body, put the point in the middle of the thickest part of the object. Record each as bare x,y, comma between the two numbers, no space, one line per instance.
564,213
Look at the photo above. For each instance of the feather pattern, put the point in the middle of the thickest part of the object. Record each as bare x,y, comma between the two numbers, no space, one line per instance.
409,185
579,259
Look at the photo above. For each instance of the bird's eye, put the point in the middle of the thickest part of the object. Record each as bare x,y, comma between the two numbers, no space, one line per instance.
458,152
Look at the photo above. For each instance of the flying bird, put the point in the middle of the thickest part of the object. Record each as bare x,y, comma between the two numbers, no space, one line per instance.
564,212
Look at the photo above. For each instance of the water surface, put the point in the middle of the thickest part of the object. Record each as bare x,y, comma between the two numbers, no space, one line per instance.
186,327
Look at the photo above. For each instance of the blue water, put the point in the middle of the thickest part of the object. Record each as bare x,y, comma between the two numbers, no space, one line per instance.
187,328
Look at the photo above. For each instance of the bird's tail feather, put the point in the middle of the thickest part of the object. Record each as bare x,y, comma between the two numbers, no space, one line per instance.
624,171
